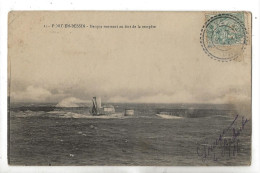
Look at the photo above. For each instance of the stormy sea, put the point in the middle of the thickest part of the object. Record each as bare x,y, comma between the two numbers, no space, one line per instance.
203,134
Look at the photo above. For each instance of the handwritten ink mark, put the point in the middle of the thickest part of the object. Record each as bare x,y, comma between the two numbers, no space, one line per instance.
228,146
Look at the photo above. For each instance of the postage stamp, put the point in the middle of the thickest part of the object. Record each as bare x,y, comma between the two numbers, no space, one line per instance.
224,36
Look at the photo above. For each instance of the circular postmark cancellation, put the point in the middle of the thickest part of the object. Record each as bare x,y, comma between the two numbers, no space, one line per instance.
224,36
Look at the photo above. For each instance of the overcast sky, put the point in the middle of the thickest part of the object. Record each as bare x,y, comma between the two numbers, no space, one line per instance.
165,64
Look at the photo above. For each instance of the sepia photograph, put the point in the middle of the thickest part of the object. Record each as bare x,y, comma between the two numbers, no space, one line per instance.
118,88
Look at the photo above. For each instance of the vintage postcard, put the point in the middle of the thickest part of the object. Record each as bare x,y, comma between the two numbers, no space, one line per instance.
129,88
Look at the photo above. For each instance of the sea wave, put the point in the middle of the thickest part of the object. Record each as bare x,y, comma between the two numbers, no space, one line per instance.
28,113
63,114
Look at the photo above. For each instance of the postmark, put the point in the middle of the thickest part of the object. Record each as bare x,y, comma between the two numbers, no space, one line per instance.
224,36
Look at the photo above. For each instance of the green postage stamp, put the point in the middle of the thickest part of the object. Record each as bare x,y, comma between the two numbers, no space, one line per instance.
224,35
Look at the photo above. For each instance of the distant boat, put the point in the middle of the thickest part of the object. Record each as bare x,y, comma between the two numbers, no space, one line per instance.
168,115
98,109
